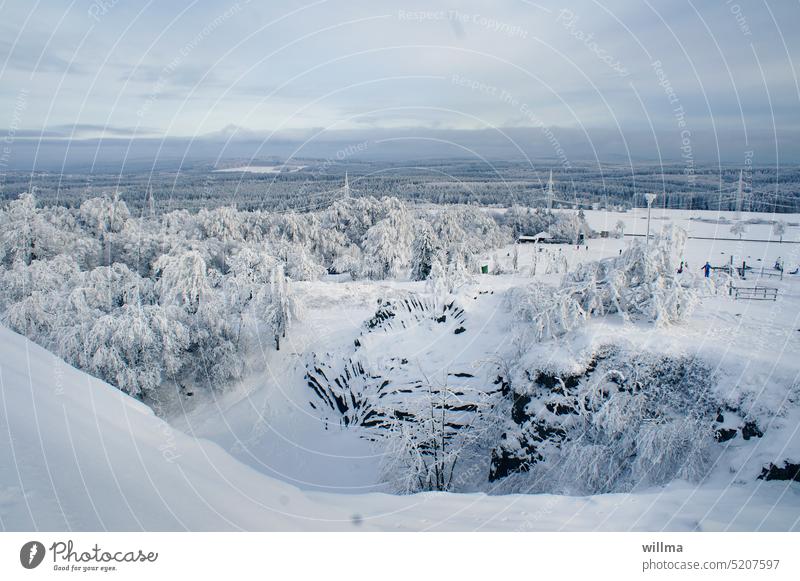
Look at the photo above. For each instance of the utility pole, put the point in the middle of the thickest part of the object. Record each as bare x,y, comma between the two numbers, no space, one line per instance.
550,191
650,199
739,197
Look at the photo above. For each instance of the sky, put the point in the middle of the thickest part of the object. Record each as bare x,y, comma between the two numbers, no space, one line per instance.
687,81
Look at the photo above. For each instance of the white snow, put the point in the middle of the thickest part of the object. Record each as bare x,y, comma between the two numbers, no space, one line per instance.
77,454
268,169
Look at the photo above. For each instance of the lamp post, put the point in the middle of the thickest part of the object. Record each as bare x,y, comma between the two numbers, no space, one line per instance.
650,199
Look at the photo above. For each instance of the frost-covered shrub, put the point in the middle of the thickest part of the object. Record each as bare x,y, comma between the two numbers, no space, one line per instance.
437,437
641,283
349,261
625,420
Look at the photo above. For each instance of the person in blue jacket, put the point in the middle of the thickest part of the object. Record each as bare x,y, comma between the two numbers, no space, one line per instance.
706,268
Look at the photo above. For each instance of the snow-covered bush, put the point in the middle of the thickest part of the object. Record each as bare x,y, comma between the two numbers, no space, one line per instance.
349,261
435,438
641,283
626,419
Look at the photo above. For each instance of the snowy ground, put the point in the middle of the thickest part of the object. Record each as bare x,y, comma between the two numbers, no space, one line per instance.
260,458
83,456
268,169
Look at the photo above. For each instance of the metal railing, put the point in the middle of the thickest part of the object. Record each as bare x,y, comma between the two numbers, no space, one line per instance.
754,293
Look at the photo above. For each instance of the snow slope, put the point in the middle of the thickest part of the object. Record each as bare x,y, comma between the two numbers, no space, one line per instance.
79,455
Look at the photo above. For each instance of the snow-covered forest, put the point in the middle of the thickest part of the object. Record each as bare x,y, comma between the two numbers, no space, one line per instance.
308,184
154,302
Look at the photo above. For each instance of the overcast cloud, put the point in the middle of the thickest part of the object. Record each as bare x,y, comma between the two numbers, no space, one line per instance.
712,80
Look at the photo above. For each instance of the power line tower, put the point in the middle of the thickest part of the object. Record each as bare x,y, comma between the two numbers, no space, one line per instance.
346,187
550,192
151,202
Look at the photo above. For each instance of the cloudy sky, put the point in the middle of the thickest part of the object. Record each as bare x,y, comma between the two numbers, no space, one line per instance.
710,80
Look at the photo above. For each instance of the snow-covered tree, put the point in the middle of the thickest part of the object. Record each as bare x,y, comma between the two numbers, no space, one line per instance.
450,235
300,263
250,271
224,223
423,251
183,279
497,268
437,283
104,214
738,229
387,245
278,308
26,234
131,349
779,229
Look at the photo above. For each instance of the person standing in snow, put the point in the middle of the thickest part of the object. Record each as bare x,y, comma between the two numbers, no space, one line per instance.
707,269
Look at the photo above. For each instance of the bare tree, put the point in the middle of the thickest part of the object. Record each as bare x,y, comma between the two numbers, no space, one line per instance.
429,441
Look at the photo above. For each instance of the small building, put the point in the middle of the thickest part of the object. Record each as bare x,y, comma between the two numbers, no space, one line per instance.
544,237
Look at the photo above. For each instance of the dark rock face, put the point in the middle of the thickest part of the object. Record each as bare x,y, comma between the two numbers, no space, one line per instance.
788,471
406,312
724,434
518,413
505,462
750,430
352,391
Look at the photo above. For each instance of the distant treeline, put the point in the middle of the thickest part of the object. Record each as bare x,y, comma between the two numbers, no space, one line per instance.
504,184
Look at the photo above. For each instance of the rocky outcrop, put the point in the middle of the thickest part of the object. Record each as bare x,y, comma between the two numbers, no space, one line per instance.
788,471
